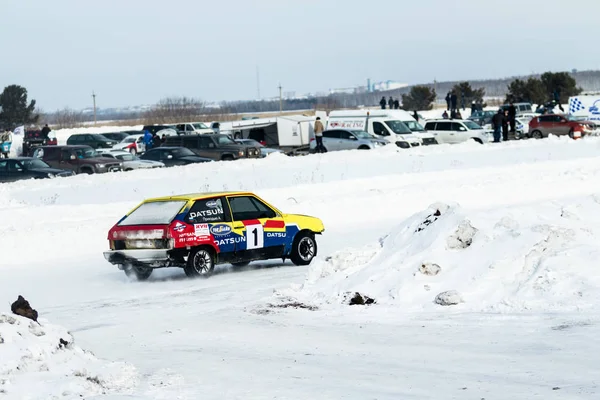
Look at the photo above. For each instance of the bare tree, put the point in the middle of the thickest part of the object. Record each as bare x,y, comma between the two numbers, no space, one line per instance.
65,118
175,109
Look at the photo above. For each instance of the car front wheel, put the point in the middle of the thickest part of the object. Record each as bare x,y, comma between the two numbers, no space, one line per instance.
537,135
304,248
200,263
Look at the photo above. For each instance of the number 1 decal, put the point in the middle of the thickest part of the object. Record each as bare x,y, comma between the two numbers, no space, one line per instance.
255,237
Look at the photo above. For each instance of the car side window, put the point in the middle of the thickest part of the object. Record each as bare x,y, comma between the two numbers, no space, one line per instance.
444,126
207,211
14,166
346,135
430,126
457,127
190,142
331,134
206,143
65,155
545,118
152,155
3,164
244,208
379,129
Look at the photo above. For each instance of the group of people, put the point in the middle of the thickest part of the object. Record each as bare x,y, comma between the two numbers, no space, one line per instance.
152,140
454,114
391,103
504,120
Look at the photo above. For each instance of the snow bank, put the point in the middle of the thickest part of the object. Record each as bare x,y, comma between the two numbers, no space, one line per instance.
41,362
540,257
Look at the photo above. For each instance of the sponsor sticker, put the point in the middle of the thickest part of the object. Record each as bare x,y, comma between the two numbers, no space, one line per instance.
179,227
201,230
213,203
220,229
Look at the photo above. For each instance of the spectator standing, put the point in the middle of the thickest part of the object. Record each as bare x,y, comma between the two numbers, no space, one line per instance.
147,140
453,100
319,128
382,103
462,101
512,117
391,103
448,101
397,104
505,126
416,115
46,130
497,121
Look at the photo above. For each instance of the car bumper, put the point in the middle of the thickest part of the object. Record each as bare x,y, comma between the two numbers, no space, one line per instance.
153,258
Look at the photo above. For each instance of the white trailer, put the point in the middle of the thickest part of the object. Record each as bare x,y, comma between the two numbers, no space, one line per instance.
291,133
585,106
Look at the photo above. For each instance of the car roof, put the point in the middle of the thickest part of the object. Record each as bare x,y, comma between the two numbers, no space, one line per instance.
196,196
68,146
23,158
446,120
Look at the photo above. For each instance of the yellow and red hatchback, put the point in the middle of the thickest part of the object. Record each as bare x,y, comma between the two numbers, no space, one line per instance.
197,231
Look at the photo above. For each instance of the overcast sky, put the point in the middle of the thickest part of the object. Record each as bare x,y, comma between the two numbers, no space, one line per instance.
134,52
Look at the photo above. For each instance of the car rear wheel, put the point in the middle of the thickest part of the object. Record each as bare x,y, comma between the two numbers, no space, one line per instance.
140,273
304,248
200,263
537,135
363,147
227,158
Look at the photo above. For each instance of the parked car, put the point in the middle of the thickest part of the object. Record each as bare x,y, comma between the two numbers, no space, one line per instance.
116,136
133,144
482,118
172,156
344,139
457,131
520,107
129,161
80,159
197,231
16,169
214,146
34,138
155,128
522,128
94,140
560,125
264,151
192,128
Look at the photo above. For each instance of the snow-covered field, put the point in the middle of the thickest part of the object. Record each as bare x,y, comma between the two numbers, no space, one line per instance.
507,231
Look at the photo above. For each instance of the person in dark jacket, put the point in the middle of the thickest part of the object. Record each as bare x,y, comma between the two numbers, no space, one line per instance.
505,126
391,103
462,101
156,142
416,115
497,121
382,103
448,101
45,130
453,100
512,117
396,104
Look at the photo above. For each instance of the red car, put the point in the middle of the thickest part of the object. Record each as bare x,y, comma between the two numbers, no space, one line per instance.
559,125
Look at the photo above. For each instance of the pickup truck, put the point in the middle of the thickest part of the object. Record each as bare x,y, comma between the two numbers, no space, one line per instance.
79,159
214,146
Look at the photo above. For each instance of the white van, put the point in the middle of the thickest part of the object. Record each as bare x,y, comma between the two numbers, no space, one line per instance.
377,122
412,124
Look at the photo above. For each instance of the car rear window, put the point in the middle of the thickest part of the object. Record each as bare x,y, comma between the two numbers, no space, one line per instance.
154,213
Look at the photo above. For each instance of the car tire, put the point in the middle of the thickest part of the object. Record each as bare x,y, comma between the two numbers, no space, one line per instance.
139,273
537,134
478,140
241,264
304,248
200,263
363,147
227,158
88,171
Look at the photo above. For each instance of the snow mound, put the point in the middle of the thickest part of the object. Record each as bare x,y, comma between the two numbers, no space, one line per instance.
529,257
42,362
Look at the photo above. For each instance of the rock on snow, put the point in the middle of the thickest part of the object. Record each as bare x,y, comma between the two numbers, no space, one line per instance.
42,362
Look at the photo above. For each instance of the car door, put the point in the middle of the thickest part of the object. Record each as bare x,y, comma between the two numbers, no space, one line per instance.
205,218
67,160
207,148
4,171
444,129
348,141
561,125
458,132
16,171
332,140
262,228
546,124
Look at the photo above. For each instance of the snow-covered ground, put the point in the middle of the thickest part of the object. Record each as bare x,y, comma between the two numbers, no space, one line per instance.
507,230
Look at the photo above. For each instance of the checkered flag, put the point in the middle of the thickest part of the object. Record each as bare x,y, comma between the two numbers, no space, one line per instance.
575,105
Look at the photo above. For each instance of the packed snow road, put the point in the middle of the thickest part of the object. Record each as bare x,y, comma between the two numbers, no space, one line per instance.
231,336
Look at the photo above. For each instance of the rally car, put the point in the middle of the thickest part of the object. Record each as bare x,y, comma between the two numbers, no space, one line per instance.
197,231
